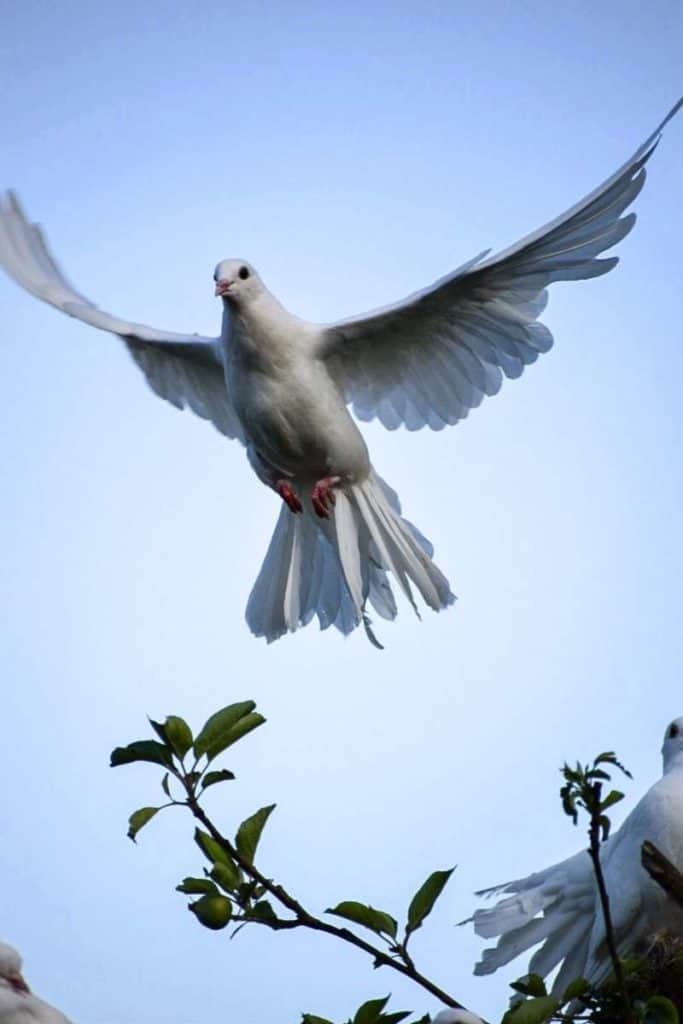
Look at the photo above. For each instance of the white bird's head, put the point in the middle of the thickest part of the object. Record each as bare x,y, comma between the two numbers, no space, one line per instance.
672,748
236,280
456,1017
10,970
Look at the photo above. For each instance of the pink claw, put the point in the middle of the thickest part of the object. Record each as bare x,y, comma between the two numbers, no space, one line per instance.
323,496
288,495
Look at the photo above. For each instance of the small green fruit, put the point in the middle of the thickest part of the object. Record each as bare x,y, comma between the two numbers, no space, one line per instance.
212,911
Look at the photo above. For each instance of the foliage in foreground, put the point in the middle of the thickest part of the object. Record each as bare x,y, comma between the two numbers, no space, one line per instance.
233,891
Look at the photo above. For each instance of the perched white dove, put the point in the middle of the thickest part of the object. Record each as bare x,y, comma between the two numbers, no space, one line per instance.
281,386
18,1005
571,924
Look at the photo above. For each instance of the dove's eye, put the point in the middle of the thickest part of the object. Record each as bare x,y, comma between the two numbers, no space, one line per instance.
243,272
673,731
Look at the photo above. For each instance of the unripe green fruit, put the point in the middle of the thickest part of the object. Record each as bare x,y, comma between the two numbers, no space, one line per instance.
212,911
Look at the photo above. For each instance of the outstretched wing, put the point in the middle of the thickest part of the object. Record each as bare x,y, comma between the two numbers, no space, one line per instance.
430,359
185,369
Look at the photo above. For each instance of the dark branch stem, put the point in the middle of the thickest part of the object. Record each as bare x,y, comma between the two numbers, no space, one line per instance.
307,920
662,871
594,851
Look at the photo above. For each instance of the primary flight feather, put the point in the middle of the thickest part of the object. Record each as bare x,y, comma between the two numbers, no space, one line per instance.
282,386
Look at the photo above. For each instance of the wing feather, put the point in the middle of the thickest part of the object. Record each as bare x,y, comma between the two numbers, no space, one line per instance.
428,360
184,369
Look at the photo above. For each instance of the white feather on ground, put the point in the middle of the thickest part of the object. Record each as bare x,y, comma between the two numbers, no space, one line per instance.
560,908
281,386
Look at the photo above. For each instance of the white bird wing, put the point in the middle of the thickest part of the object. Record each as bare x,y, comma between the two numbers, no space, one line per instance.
185,369
431,358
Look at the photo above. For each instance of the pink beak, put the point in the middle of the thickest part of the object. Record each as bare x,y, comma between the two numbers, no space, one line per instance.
222,287
18,984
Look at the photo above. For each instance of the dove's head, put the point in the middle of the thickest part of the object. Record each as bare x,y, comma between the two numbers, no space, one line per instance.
10,970
672,748
457,1017
236,280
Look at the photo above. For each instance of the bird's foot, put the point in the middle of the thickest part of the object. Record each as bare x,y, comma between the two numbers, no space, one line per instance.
323,496
288,495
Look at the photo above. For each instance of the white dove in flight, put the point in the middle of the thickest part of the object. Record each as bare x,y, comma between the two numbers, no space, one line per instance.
282,386
571,925
18,1005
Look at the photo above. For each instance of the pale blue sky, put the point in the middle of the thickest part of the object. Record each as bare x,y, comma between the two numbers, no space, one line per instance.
353,155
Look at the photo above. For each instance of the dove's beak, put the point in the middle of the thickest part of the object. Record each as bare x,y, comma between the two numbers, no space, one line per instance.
17,982
222,286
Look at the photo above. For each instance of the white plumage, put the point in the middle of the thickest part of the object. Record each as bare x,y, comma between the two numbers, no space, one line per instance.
18,1005
560,907
281,386
456,1017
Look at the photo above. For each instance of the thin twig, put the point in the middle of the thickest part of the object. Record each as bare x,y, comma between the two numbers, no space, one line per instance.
594,851
303,918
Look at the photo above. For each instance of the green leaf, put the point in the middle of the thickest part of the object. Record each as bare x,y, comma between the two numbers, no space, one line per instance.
262,911
159,730
196,886
369,1012
395,1018
376,920
659,1010
309,1018
240,729
211,849
142,750
165,786
613,797
530,985
221,730
424,899
249,832
139,819
227,874
211,778
576,988
178,734
532,1011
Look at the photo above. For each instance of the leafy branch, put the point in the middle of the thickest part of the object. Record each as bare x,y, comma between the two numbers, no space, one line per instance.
371,1012
583,790
234,890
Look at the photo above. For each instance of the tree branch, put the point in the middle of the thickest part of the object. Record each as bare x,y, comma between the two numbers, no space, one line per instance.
662,871
303,918
594,851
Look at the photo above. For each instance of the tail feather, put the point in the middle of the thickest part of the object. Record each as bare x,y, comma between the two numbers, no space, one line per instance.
333,568
515,942
563,940
554,907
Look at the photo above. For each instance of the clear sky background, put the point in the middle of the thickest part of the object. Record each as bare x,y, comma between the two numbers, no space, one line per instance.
352,154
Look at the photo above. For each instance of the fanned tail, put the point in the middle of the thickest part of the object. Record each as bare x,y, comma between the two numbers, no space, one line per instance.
334,567
554,907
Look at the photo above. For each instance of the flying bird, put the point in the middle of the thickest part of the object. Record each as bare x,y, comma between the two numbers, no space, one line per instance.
18,1005
560,906
282,387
